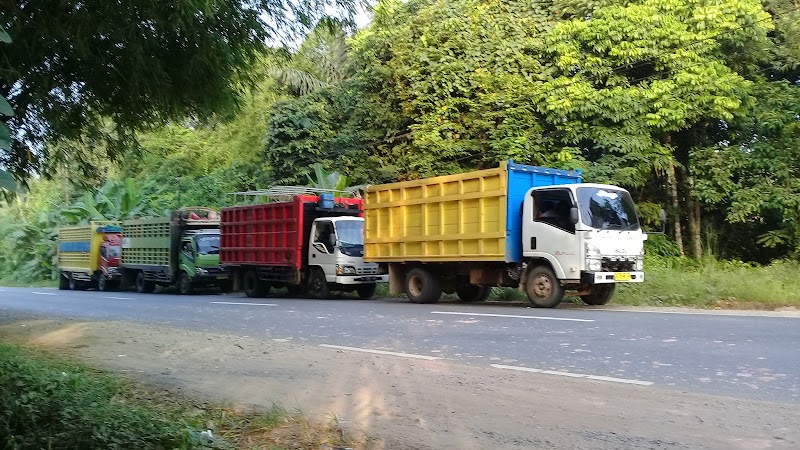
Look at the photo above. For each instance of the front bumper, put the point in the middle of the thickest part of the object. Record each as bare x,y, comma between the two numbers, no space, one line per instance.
361,279
611,277
212,277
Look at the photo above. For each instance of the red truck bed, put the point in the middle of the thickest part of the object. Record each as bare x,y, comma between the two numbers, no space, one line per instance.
271,234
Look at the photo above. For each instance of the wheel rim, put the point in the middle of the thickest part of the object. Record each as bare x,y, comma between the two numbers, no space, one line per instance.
140,282
101,283
72,283
316,283
542,286
415,286
184,284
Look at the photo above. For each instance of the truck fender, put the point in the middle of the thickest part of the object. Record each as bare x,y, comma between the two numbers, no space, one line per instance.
537,258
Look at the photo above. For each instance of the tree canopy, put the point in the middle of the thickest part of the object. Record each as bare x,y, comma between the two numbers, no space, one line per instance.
96,70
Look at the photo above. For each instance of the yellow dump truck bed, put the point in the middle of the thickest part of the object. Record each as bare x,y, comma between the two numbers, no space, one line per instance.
458,217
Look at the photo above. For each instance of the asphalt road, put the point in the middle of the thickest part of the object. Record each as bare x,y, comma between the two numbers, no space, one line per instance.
743,356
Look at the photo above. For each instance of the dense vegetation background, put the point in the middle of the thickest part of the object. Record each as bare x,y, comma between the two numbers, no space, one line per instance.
693,105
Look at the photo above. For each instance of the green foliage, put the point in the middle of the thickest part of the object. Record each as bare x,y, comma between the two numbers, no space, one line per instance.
328,180
50,404
462,74
633,74
321,60
711,283
28,235
76,64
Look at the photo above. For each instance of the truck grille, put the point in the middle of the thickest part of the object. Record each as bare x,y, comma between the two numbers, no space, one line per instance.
366,270
216,270
609,265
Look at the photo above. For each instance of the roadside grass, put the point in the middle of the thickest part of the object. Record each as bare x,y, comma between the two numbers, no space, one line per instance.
708,283
47,401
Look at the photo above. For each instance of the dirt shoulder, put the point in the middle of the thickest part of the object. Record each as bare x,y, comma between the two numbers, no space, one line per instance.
399,403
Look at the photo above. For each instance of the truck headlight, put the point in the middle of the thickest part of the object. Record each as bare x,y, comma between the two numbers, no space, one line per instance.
594,265
591,251
201,271
639,265
345,270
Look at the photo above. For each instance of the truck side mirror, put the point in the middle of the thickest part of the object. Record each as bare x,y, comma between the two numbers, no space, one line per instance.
663,215
573,215
332,239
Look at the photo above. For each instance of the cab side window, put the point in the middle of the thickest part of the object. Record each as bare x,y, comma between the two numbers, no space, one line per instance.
325,235
552,206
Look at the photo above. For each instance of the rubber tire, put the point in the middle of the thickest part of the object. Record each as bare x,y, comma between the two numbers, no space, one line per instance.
184,284
423,286
253,287
366,291
318,285
473,293
600,295
103,284
63,282
543,288
72,283
144,286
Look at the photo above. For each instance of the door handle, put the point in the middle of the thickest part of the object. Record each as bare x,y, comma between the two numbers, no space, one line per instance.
533,243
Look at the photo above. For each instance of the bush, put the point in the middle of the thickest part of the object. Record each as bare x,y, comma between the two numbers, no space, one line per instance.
56,405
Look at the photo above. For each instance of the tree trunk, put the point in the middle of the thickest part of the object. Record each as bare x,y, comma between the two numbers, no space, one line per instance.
697,244
693,214
676,216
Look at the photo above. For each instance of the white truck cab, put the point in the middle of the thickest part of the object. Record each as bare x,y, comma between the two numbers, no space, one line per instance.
337,247
588,233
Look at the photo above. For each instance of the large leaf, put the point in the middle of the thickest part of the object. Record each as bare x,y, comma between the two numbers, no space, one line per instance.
4,36
5,137
5,107
7,181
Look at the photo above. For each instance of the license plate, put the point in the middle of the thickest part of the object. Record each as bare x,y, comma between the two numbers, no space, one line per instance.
622,276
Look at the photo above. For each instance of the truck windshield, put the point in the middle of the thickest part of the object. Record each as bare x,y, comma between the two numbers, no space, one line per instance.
351,237
607,209
207,244
113,251
350,232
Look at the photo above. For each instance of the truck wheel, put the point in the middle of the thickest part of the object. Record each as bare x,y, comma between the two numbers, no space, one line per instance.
103,284
543,288
423,286
142,285
318,285
73,283
473,293
184,284
600,295
63,282
366,291
253,287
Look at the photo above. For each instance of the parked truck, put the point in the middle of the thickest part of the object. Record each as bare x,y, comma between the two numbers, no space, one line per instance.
535,228
306,240
88,256
181,250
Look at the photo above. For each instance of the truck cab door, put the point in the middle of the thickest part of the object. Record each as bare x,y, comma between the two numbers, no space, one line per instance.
187,257
322,251
548,231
